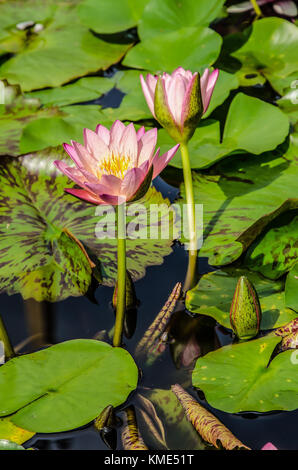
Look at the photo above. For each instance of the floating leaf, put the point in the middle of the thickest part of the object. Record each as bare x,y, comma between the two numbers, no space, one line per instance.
277,56
277,250
38,257
13,433
65,386
291,290
240,378
233,215
168,15
131,438
289,328
63,50
214,293
85,89
205,423
112,16
190,48
152,344
254,125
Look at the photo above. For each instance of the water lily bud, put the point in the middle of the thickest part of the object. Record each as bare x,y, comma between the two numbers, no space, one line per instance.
245,313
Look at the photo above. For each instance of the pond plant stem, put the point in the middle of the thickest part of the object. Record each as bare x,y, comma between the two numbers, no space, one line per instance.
121,276
193,251
8,349
256,8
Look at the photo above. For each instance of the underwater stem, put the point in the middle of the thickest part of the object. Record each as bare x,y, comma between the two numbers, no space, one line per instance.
121,276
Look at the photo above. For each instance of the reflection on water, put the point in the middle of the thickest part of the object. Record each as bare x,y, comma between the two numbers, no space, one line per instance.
190,337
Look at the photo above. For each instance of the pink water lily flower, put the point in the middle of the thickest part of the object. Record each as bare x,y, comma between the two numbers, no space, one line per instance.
269,446
114,166
185,95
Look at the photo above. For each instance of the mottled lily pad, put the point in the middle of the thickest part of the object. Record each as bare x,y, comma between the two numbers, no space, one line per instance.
192,48
13,433
65,386
240,378
243,196
213,296
39,258
291,290
170,15
277,250
63,50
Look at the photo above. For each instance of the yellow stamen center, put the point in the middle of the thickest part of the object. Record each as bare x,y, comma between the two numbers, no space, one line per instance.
116,165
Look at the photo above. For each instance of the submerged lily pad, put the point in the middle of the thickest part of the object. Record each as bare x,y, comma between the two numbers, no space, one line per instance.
239,377
278,55
63,50
277,250
39,258
170,15
241,199
112,16
191,48
213,296
65,386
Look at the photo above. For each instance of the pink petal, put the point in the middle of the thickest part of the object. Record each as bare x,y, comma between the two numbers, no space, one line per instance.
160,162
147,146
116,133
87,160
85,195
94,144
131,182
140,133
148,87
203,85
73,173
112,183
269,446
128,143
112,200
210,87
103,133
176,89
98,188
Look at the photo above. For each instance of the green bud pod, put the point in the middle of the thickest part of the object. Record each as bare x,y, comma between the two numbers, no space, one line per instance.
245,313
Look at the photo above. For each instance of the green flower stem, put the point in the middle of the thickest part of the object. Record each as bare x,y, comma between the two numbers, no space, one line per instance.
256,7
8,349
121,276
193,252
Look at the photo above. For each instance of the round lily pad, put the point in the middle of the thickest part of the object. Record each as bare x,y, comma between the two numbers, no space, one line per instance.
65,386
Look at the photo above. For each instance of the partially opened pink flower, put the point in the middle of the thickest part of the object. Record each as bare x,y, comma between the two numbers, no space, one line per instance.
178,101
114,166
269,446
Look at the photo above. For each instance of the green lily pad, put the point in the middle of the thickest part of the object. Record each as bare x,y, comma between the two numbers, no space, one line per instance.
205,148
112,16
254,125
53,131
277,250
85,89
170,15
65,386
291,290
241,199
191,48
278,55
13,433
63,50
240,378
39,258
213,296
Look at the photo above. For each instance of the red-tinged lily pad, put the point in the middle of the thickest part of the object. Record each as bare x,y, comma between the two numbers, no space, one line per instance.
40,223
240,377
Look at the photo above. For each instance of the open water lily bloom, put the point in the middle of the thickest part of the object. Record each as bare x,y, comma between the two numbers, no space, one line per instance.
182,99
114,166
